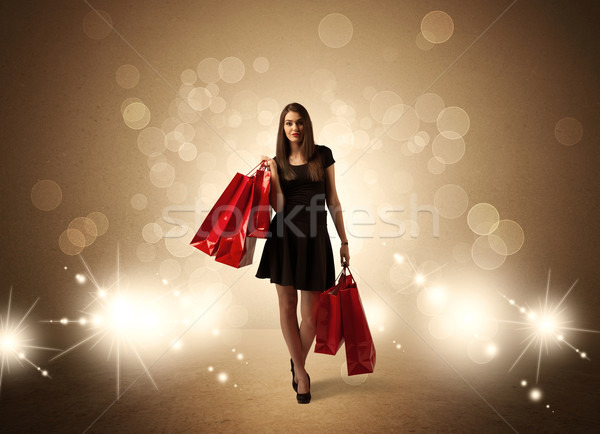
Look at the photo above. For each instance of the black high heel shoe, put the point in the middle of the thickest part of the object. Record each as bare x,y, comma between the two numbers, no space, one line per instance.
294,384
304,398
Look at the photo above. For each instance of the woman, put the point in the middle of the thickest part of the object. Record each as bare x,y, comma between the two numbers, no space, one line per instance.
298,255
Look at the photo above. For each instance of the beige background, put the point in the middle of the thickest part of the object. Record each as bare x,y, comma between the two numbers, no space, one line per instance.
62,121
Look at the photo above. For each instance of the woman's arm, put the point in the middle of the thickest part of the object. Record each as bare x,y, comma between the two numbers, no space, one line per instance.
276,198
335,209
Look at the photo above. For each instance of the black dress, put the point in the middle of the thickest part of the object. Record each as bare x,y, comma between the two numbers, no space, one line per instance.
298,250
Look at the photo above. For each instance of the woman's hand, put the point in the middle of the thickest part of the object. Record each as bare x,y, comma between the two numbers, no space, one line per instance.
272,165
345,254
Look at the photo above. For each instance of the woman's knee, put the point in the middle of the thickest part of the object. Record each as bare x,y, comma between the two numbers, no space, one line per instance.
309,309
288,300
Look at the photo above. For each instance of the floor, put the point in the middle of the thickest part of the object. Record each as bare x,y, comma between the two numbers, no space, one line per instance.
241,383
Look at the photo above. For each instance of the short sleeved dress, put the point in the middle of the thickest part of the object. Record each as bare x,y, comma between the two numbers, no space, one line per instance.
298,250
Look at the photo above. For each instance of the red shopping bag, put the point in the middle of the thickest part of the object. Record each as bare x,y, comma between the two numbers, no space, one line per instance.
260,215
235,248
360,350
207,237
329,336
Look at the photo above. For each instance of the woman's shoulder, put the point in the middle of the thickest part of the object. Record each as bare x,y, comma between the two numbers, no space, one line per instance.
326,155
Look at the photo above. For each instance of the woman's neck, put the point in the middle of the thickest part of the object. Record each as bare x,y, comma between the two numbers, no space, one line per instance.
295,149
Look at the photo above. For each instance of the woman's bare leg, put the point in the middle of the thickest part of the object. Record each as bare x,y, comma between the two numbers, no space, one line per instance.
288,318
309,305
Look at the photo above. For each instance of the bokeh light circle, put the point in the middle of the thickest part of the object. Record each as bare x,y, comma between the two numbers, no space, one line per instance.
177,192
335,30
339,107
100,220
381,102
429,106
451,201
422,43
127,76
187,151
136,115
481,350
265,118
151,161
233,118
66,244
139,201
269,105
187,130
178,243
414,145
449,151
369,92
437,27
401,122
46,195
86,227
186,113
162,175
188,76
97,24
339,136
151,141
483,218
261,65
184,91
231,70
512,236
432,300
453,122
199,98
352,380
436,166
173,140
568,131
208,70
152,233
213,88
218,104
485,252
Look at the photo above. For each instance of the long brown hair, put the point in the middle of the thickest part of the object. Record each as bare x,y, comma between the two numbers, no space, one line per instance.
308,149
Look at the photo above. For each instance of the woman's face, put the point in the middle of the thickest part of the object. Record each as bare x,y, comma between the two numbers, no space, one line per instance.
293,127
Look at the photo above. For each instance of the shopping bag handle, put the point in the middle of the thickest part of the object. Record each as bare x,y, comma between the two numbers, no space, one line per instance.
346,271
262,166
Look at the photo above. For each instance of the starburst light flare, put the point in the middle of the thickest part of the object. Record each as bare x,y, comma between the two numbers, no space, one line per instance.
121,318
418,275
545,324
14,342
